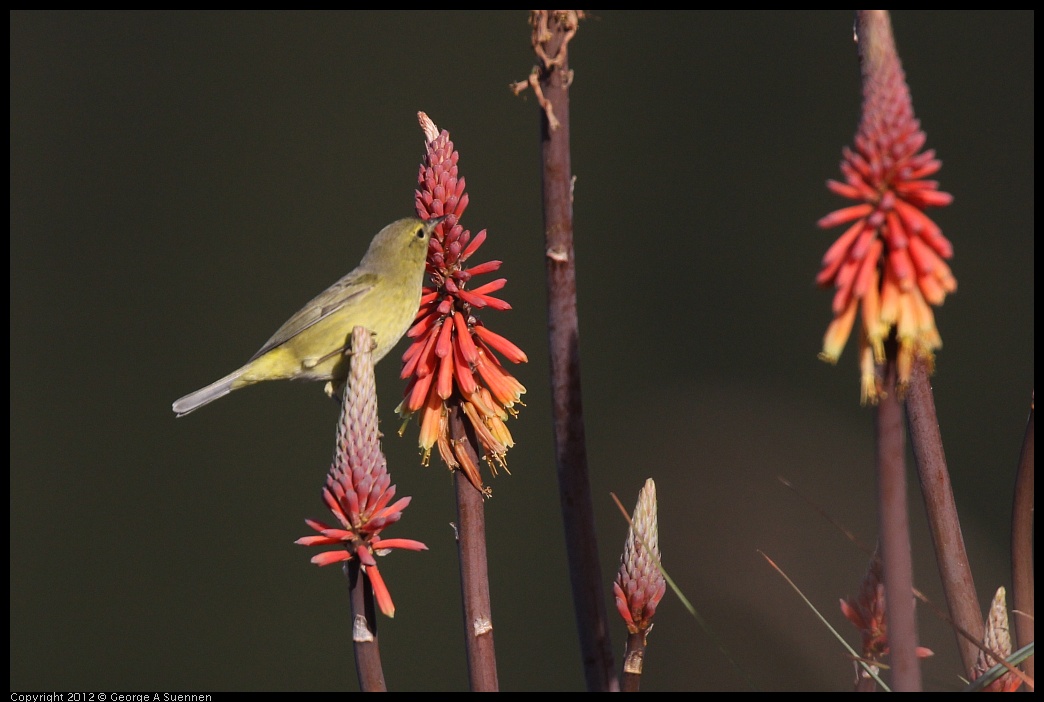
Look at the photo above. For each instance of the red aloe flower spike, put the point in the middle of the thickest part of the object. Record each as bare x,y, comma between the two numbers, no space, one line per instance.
866,611
639,584
891,250
998,640
451,360
358,488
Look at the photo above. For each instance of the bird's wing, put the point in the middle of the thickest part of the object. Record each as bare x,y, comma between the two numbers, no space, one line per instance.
350,287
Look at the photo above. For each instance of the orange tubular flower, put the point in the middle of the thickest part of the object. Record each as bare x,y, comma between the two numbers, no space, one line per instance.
358,488
451,360
888,264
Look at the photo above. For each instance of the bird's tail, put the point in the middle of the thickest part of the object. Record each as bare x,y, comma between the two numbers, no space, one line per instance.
193,401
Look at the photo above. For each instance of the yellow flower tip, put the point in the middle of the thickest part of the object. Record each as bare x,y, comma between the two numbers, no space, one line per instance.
872,336
829,357
870,393
930,341
926,355
908,349
432,421
870,390
838,332
500,432
406,417
480,402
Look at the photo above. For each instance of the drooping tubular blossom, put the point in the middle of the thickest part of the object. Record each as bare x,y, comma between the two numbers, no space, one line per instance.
889,263
358,488
639,583
451,362
998,640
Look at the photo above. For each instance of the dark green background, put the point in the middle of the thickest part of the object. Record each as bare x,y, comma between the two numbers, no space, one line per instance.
182,183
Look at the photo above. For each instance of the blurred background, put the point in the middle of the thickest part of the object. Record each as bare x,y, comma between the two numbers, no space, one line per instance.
182,183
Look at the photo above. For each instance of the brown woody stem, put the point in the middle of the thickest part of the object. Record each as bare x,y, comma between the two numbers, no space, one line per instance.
553,30
941,509
894,529
364,630
474,570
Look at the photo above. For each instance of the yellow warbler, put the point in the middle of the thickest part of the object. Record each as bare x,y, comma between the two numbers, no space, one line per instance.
382,294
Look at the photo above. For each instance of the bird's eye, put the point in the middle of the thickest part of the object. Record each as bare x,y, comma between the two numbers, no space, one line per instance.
420,233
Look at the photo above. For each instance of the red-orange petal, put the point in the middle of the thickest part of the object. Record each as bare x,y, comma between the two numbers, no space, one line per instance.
462,372
426,358
894,231
845,278
380,590
411,357
867,269
444,385
422,325
621,606
487,267
495,303
503,386
839,249
475,300
862,243
930,198
918,222
902,267
930,167
473,245
329,557
418,393
846,214
505,347
924,258
444,343
407,544
845,190
464,341
491,286
462,204
930,288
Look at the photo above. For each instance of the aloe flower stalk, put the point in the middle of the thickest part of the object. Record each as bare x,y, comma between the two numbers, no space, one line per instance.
890,263
358,487
550,80
451,361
